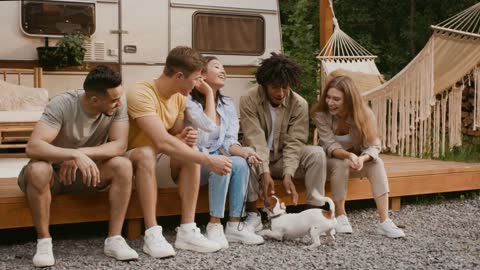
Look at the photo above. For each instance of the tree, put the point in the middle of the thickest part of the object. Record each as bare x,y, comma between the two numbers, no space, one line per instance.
301,41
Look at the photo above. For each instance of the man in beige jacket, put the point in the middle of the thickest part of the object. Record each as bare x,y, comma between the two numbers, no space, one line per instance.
274,120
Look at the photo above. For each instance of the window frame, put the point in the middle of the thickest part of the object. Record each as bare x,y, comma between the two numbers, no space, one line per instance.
225,13
21,5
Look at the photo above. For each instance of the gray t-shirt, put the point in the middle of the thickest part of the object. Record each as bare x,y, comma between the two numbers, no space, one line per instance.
77,127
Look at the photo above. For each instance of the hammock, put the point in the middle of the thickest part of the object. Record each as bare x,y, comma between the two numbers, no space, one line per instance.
417,107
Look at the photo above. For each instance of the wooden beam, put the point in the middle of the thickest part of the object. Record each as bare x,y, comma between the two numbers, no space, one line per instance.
326,22
407,176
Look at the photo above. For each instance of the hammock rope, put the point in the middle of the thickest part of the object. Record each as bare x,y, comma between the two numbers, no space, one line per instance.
420,105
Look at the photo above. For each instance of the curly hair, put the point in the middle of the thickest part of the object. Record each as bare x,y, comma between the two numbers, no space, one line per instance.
278,70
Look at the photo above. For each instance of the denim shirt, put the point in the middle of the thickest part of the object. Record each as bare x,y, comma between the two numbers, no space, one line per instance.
229,125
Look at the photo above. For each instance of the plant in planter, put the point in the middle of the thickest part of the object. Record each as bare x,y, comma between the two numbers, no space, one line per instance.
68,52
71,50
47,57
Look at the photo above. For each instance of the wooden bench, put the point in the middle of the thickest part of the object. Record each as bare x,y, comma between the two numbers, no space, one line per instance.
407,176
17,126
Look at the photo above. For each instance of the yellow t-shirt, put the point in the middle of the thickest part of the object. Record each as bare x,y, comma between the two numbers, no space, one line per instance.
143,99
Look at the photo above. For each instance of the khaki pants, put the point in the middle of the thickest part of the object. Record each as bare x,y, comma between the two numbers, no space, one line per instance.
59,188
312,168
338,173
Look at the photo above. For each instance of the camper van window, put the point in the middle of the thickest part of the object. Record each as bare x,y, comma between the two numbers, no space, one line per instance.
228,34
54,18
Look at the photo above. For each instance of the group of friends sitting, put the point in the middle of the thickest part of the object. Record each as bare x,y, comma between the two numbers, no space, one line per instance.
179,130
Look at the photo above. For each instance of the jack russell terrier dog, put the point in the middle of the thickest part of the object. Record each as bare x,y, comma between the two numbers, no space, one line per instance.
313,221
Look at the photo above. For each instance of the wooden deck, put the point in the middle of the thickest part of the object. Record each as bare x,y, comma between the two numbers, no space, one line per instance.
407,176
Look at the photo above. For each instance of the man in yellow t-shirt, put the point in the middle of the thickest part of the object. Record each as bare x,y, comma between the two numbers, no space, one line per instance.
162,150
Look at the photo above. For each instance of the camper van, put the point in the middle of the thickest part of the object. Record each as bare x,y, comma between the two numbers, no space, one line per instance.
135,36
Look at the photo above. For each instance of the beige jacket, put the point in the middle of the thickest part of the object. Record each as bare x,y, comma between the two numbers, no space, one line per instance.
326,124
291,128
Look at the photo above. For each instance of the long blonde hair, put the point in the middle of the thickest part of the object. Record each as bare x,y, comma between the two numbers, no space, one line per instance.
354,106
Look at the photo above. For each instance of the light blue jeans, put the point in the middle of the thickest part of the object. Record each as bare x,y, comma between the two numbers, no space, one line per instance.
235,183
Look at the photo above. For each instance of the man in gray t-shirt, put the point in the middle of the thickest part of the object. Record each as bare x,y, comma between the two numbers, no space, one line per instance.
78,146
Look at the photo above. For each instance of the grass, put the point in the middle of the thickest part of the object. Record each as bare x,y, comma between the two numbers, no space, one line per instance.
438,198
468,152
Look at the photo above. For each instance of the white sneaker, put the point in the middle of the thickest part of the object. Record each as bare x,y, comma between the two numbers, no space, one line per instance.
254,220
192,239
156,245
242,233
215,233
343,226
389,229
117,247
44,254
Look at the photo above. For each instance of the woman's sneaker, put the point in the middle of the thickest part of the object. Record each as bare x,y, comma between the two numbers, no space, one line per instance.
254,220
389,229
242,233
215,233
117,247
156,245
44,254
343,226
190,238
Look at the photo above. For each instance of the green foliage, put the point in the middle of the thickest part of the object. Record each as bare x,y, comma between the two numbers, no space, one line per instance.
468,152
301,41
68,52
386,28
441,198
71,50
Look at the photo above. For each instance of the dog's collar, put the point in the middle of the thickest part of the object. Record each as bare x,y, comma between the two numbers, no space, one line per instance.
277,215
279,212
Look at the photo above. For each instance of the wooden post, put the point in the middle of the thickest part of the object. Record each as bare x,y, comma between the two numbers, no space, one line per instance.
326,22
134,228
395,203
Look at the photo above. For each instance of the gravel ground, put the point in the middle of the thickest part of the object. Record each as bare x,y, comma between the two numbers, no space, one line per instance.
439,236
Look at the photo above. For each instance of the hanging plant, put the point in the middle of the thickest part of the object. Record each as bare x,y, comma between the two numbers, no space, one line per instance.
69,51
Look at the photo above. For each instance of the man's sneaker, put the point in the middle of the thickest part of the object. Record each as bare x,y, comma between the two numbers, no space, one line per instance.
156,245
215,233
389,229
343,226
242,233
192,239
44,254
117,247
254,220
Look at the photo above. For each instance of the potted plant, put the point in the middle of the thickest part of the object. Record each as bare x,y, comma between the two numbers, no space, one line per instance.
47,57
68,52
71,50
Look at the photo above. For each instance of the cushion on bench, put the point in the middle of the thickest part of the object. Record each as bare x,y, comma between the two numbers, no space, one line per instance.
21,98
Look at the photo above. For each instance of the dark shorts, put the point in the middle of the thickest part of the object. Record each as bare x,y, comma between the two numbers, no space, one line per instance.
58,188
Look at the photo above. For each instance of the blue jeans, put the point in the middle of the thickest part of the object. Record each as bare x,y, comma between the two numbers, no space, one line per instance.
236,183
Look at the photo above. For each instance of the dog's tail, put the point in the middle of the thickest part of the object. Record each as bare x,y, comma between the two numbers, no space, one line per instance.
324,200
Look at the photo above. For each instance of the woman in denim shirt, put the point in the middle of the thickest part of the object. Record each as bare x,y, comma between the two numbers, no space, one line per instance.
215,118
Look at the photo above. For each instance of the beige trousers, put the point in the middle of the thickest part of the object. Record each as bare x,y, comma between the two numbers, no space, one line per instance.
312,168
338,172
